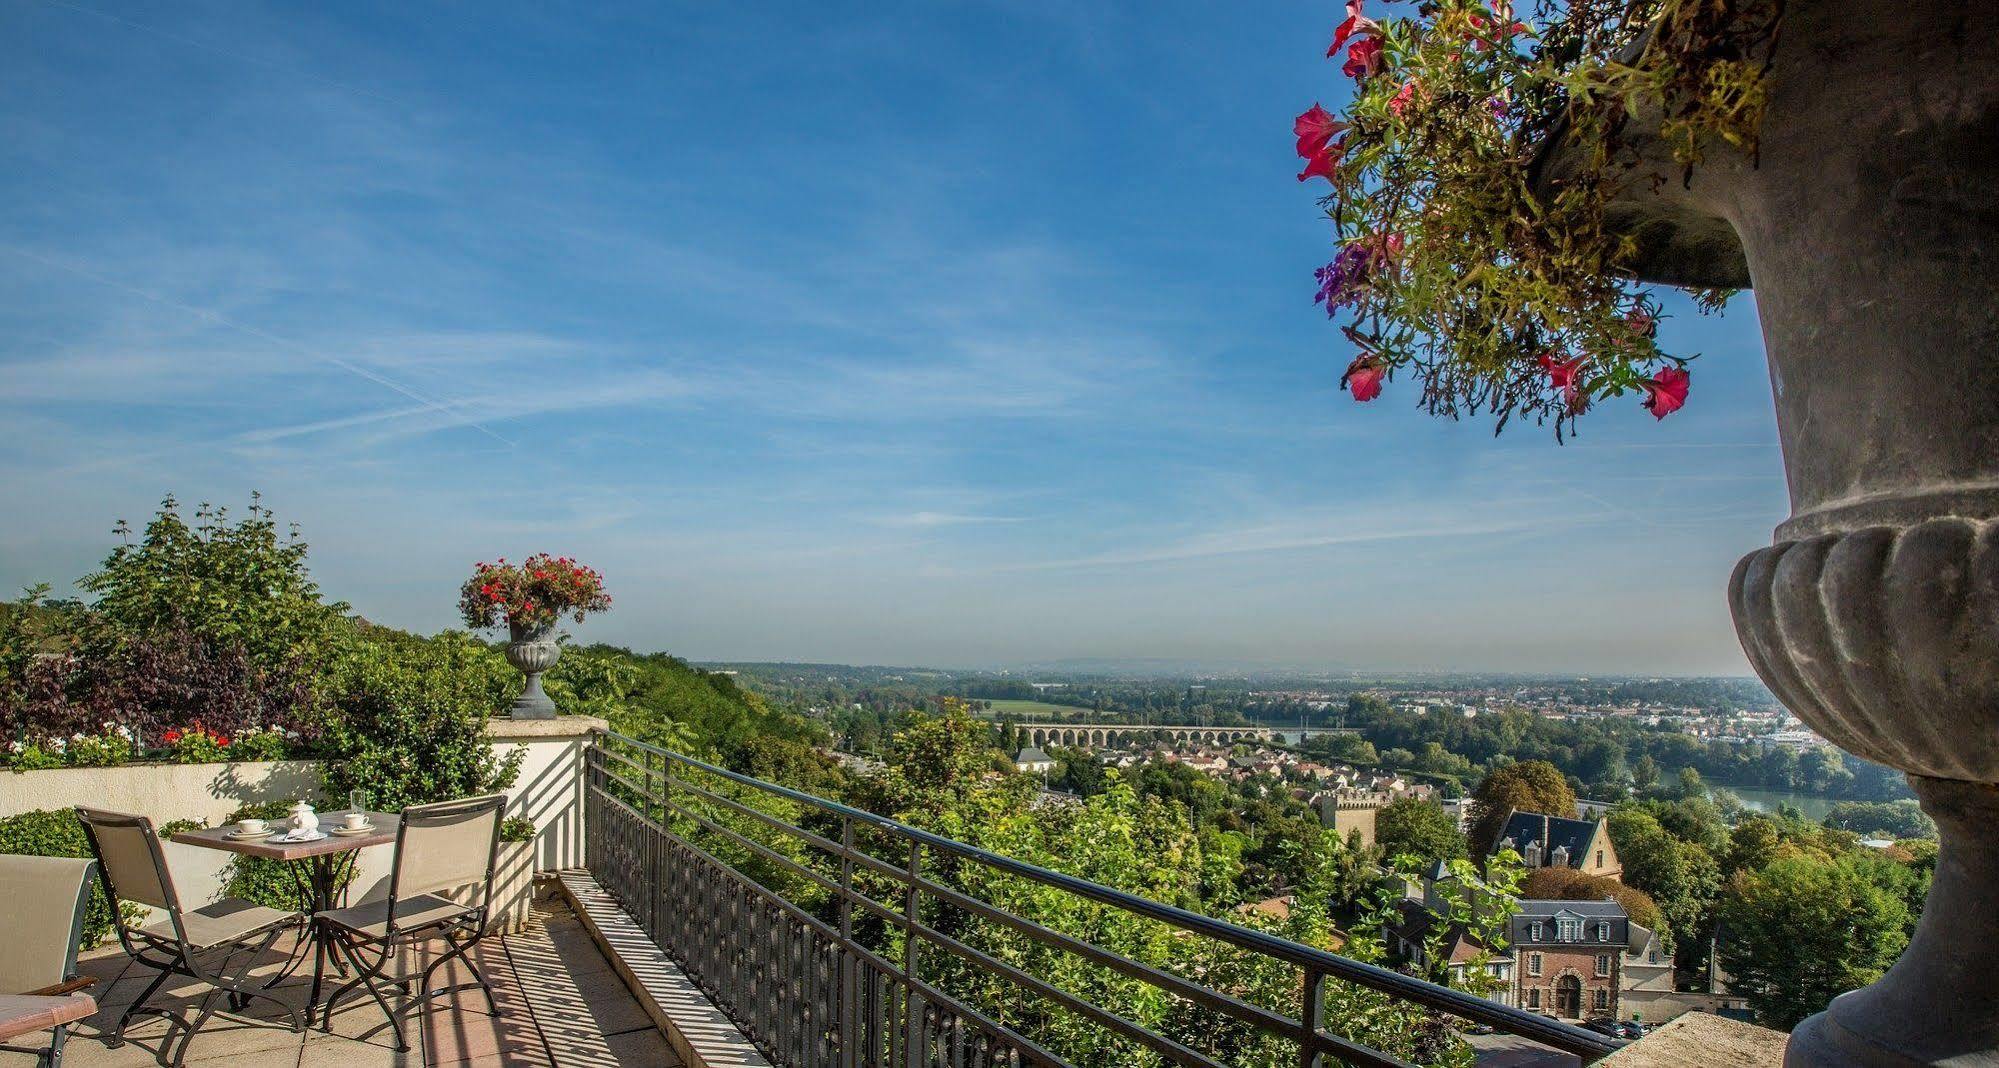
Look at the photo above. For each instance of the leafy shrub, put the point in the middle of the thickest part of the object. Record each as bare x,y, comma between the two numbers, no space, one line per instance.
408,723
23,755
196,746
517,829
215,624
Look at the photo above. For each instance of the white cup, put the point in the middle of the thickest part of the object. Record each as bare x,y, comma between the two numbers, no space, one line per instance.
250,827
356,820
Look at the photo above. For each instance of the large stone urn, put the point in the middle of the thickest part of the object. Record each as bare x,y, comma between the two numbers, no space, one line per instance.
533,650
1869,230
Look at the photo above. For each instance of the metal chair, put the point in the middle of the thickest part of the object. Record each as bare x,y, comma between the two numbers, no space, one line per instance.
199,944
440,888
40,926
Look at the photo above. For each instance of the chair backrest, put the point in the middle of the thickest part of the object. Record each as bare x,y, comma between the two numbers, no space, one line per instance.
129,856
449,845
42,902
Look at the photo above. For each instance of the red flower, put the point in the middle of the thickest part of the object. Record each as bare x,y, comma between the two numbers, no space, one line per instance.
1403,98
1363,378
1641,322
1355,23
1363,59
222,740
1666,392
171,737
1314,128
1325,164
1567,376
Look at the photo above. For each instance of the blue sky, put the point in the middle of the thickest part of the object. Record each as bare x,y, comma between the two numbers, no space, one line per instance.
940,333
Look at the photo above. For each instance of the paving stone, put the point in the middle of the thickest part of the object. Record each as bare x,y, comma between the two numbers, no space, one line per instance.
557,1000
645,1048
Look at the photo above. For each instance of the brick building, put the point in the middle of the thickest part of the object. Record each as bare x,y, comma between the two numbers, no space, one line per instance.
1568,957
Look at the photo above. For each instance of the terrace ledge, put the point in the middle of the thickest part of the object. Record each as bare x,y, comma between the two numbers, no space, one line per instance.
1703,1039
501,728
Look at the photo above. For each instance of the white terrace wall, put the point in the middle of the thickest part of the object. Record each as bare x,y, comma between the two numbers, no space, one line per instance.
549,791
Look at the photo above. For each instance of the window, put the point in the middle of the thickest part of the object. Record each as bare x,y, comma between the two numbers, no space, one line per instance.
1534,998
1603,931
1602,998
1603,964
1599,858
1568,930
1533,964
1535,932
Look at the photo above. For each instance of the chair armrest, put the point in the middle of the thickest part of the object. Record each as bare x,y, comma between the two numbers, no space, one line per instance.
81,982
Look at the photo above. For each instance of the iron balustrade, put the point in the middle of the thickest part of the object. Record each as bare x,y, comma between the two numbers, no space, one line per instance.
810,992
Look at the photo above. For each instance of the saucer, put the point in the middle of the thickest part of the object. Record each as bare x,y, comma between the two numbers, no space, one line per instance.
288,838
349,832
251,837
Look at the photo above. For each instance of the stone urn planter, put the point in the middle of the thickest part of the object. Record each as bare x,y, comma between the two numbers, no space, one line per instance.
1869,230
532,651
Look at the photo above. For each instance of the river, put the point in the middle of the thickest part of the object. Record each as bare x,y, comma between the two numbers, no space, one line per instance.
1812,806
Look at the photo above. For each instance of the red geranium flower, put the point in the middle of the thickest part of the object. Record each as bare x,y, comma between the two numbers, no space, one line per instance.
1363,59
1325,163
1666,392
1363,378
1565,375
171,737
1403,98
1355,23
1314,127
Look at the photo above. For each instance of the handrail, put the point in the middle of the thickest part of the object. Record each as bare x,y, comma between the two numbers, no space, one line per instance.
1568,1038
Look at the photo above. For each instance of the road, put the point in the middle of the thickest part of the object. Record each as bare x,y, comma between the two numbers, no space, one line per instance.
1508,1051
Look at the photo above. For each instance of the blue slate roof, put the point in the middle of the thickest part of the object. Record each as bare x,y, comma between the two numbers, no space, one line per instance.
1551,832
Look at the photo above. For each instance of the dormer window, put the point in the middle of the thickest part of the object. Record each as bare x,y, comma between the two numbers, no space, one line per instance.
1568,930
1603,931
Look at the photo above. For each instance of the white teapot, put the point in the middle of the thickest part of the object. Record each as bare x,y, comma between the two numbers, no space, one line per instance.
305,821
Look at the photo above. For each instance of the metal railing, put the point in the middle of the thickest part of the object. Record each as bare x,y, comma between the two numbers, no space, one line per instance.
809,990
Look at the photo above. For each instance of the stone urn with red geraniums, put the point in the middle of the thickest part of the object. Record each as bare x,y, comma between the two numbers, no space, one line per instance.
529,599
1509,184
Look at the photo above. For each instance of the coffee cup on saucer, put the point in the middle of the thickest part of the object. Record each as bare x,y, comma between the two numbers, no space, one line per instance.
354,821
247,828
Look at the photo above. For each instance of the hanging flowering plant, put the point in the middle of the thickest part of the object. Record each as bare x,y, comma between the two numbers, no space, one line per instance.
1461,261
531,595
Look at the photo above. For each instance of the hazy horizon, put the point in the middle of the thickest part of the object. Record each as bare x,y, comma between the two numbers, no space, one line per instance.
978,334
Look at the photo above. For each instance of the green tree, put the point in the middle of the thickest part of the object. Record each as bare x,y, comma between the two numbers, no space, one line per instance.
1528,786
1420,828
1893,819
1681,876
1644,773
238,584
1801,931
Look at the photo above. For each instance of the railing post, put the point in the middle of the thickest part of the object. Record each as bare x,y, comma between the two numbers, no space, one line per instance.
912,958
847,963
1312,1017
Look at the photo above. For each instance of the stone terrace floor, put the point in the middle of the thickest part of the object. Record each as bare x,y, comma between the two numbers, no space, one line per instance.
560,1004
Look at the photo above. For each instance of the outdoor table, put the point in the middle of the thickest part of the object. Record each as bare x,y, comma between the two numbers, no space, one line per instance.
23,1014
318,868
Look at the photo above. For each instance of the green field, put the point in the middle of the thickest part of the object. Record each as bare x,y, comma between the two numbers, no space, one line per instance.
1034,710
